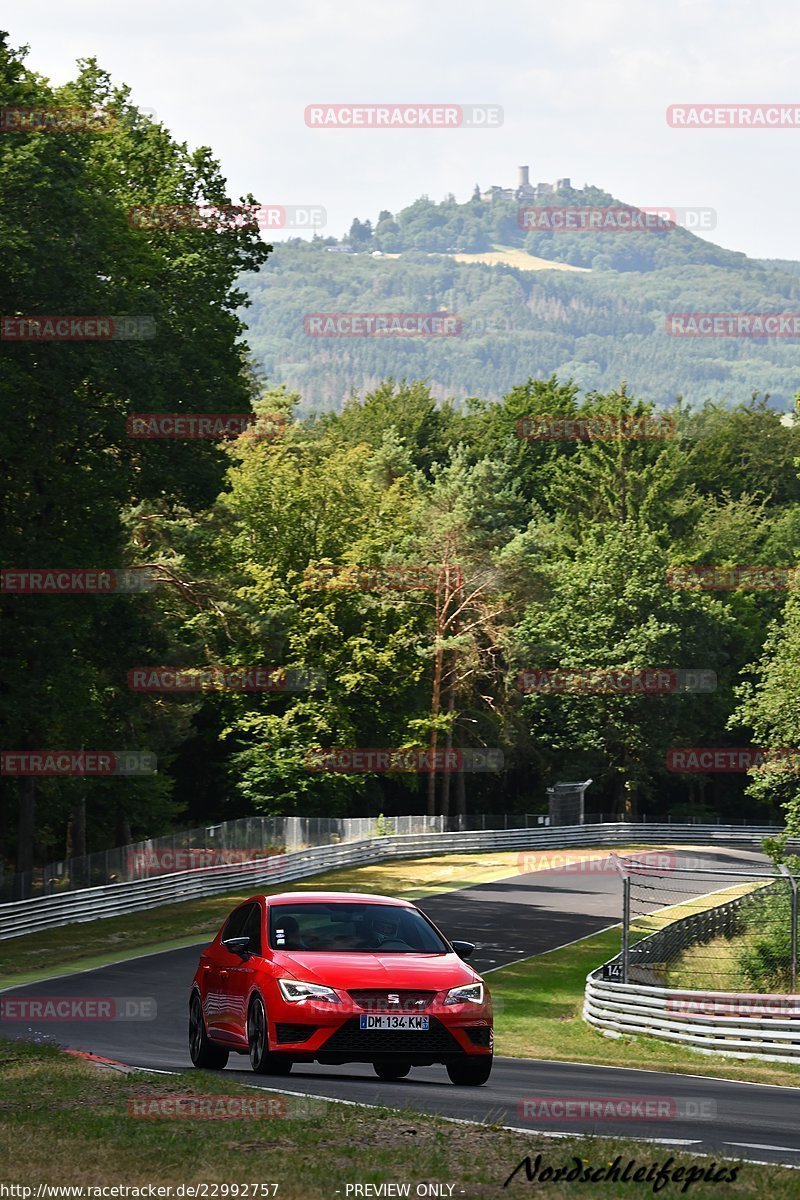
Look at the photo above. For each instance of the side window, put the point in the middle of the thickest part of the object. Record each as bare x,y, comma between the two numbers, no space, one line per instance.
235,923
252,928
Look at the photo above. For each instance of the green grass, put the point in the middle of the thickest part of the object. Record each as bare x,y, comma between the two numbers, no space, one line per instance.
540,1001
712,966
68,1122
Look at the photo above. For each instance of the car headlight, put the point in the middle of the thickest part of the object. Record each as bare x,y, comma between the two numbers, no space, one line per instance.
294,991
468,993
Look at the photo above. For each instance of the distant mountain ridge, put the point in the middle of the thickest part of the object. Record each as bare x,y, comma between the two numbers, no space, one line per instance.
598,326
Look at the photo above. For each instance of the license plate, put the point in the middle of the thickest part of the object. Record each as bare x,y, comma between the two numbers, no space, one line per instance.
392,1022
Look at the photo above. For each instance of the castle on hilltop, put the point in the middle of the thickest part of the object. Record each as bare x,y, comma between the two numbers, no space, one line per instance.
524,190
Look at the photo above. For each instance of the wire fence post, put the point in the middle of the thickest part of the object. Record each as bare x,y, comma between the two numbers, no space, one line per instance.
626,925
793,884
626,915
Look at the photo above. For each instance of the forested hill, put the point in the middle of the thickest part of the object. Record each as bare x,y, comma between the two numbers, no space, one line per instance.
583,304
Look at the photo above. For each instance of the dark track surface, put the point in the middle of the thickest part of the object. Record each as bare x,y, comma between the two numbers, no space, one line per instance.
508,920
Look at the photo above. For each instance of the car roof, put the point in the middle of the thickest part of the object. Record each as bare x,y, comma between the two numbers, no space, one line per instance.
335,898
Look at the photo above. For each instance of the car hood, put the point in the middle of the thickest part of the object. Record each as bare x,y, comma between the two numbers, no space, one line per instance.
343,970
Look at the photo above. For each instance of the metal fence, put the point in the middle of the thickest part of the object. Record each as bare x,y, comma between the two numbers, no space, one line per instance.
701,925
46,912
686,930
246,838
228,842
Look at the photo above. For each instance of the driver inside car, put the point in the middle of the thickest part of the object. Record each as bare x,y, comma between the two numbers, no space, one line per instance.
384,930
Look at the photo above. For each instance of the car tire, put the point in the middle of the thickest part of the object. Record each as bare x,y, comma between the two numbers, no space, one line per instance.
262,1062
204,1053
470,1072
389,1071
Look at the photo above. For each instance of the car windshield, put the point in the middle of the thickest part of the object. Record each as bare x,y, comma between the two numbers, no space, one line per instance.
352,928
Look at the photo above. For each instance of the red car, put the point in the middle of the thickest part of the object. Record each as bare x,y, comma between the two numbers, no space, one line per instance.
336,977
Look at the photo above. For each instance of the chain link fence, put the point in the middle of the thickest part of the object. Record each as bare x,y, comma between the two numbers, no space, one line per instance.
232,842
700,927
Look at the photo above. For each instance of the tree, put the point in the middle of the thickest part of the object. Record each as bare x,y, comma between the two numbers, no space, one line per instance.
471,512
622,479
296,509
360,234
71,249
770,707
748,446
609,609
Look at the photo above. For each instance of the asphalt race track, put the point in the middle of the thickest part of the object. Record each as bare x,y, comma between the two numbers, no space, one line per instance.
508,920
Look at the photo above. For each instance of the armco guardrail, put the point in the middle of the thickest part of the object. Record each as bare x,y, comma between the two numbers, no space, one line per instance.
731,1023
47,912
735,1024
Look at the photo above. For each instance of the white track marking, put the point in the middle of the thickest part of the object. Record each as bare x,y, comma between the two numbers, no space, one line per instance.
552,949
764,1146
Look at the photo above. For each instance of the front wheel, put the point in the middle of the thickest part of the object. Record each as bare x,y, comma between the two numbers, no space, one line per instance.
203,1053
389,1070
262,1062
471,1072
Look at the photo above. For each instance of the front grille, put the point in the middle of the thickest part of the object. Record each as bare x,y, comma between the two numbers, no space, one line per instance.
479,1035
350,1038
293,1033
377,1000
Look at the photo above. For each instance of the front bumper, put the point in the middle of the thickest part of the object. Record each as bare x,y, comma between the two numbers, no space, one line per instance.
332,1034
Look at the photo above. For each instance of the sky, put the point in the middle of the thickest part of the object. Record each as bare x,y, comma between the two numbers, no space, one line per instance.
584,87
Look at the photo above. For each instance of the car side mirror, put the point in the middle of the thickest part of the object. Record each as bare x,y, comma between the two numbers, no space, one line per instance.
238,945
463,949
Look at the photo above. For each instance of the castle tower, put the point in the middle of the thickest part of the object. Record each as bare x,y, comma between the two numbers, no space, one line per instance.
522,177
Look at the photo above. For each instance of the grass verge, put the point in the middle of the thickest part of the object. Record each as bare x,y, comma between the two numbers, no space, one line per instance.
540,1002
68,1122
692,969
171,926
